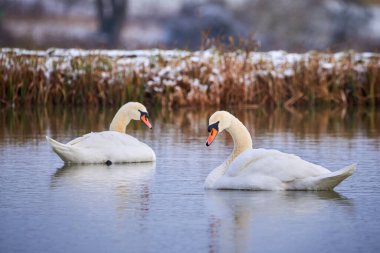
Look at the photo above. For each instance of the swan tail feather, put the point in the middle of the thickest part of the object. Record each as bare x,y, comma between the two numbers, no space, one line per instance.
324,182
62,150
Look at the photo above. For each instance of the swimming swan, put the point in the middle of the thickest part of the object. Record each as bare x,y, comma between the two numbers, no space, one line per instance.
113,146
264,169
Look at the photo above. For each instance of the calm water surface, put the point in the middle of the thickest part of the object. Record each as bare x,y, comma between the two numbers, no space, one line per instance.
162,206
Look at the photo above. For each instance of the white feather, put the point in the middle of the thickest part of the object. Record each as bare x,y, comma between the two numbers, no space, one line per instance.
113,146
102,147
267,169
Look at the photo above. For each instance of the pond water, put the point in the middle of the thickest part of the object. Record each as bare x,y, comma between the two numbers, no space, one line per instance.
162,206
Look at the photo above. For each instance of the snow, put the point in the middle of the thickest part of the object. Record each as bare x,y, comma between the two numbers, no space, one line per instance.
289,72
162,68
327,65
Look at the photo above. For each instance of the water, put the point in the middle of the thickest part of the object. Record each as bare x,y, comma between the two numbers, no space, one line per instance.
162,206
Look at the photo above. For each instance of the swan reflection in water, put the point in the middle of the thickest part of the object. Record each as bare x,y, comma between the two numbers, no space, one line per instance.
241,221
128,184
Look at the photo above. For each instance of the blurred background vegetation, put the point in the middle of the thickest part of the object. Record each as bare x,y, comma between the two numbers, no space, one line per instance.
292,25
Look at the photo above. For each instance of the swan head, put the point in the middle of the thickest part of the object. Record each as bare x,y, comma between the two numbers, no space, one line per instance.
138,111
219,121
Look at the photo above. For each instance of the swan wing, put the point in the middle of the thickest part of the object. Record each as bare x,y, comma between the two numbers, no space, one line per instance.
103,146
103,139
273,164
266,169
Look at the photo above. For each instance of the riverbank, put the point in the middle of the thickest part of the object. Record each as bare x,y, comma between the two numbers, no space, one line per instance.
176,78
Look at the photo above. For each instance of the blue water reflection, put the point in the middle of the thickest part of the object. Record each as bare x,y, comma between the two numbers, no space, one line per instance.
46,206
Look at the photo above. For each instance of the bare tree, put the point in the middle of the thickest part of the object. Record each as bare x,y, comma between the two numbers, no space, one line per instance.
111,16
3,5
350,18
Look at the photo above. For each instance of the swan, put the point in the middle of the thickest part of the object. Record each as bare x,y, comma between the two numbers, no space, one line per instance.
113,146
264,169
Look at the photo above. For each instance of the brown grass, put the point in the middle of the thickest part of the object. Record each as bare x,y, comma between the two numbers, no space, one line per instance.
177,78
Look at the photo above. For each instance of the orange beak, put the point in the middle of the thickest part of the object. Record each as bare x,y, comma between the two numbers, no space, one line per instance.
144,119
211,136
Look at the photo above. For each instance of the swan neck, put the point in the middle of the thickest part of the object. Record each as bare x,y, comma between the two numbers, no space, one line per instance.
120,121
241,137
242,142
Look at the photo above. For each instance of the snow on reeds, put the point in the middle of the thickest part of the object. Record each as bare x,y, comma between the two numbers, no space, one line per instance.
181,78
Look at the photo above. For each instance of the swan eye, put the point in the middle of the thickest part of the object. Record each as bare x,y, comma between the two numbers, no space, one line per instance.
215,126
144,113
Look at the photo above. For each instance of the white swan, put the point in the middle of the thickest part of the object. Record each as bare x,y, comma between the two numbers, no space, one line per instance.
113,146
264,169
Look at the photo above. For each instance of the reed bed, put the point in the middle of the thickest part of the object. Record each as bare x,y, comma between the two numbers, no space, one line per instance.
179,78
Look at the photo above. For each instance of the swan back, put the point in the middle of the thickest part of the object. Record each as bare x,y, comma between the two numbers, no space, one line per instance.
103,146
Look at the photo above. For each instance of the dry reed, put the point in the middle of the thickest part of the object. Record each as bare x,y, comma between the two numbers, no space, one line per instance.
178,78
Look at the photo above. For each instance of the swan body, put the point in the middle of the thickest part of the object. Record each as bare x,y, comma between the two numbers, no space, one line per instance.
265,169
113,146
